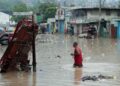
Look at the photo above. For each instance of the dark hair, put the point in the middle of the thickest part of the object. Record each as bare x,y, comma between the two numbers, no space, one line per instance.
75,44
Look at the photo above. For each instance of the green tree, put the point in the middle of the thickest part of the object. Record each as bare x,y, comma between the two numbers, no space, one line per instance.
8,5
4,5
21,7
47,10
119,4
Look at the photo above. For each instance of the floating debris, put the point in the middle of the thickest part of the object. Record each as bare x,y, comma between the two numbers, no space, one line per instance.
72,54
58,56
41,70
96,78
93,78
105,77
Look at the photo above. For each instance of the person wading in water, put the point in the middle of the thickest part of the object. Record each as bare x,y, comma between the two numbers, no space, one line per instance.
77,56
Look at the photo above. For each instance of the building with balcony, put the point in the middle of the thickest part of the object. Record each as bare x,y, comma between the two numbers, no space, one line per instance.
83,16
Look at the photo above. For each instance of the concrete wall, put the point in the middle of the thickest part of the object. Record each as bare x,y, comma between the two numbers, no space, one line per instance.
4,18
95,15
77,28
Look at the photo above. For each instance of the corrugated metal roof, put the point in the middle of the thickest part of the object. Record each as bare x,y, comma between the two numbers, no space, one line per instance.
91,8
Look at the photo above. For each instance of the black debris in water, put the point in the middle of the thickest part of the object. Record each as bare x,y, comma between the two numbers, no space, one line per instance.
72,54
96,78
105,77
58,56
41,70
93,78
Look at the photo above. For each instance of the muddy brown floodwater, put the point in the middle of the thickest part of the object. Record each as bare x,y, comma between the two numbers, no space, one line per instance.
54,63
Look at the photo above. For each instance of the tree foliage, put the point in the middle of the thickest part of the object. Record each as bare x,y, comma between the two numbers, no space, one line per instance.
47,10
4,5
8,5
21,7
119,4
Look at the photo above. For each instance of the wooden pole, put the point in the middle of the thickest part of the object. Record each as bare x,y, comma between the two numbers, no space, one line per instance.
100,6
33,46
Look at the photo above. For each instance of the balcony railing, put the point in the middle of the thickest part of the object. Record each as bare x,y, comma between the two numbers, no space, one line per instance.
88,19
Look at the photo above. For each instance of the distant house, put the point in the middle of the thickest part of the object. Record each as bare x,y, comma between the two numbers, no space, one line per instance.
4,18
81,17
60,20
51,25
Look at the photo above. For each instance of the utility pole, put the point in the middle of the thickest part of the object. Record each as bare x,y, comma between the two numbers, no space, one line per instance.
33,46
33,35
100,8
59,13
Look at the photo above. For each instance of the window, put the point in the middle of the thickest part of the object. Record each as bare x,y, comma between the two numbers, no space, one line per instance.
79,13
108,13
118,13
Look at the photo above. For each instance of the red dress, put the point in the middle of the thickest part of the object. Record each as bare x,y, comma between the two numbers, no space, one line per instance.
77,57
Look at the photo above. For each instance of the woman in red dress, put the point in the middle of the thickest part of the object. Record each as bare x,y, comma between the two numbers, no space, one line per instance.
77,55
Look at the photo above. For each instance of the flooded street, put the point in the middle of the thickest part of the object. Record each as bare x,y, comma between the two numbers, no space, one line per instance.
54,63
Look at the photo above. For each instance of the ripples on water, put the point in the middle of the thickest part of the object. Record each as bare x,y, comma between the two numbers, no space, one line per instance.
101,56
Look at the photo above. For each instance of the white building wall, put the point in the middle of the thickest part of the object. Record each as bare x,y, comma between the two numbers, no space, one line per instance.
92,14
4,18
75,29
95,15
79,29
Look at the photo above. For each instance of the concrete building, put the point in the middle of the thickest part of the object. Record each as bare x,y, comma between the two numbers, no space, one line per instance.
4,18
51,25
82,16
60,20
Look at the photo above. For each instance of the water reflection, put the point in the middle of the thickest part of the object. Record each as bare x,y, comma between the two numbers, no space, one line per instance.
118,46
100,57
34,79
77,76
18,79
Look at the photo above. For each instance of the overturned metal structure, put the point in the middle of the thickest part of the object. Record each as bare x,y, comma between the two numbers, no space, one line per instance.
19,46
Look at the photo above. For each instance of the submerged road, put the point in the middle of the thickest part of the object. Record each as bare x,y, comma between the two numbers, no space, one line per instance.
54,63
